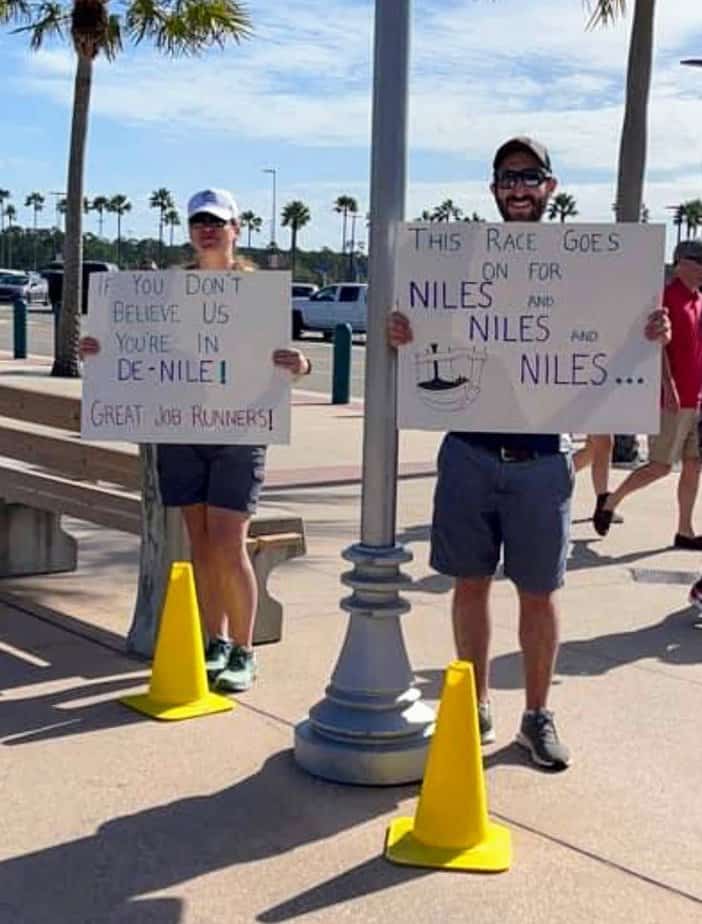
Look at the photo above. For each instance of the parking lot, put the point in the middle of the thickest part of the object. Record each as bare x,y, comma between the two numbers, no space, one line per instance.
40,342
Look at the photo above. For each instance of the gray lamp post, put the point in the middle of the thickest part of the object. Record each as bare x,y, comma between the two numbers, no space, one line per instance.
272,171
372,726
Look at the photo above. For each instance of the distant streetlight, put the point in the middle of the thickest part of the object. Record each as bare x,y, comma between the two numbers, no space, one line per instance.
272,171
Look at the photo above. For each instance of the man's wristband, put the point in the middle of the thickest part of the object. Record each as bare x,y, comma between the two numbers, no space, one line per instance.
309,365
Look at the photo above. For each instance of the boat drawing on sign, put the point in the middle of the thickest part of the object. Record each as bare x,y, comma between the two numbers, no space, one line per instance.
449,379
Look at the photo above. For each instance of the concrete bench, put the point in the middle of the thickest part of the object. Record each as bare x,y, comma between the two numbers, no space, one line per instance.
47,471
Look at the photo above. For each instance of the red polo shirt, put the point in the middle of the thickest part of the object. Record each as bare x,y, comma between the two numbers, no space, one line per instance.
685,347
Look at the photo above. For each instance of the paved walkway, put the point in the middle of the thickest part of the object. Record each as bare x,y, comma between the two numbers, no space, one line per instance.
109,817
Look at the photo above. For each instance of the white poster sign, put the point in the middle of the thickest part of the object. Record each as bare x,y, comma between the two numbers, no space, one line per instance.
529,328
185,357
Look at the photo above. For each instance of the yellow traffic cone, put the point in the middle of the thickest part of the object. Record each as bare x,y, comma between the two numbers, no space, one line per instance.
178,688
451,829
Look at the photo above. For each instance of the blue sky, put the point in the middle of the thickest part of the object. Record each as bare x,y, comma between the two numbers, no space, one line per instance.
296,97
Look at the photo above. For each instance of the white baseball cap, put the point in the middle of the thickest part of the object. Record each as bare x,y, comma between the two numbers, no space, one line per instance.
217,202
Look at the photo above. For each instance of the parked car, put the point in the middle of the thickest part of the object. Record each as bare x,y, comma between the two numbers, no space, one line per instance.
29,286
303,290
54,272
342,303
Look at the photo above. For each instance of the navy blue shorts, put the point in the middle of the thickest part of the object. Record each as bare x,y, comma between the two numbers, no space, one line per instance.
483,505
222,476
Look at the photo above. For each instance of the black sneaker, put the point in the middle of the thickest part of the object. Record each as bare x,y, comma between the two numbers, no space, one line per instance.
601,501
217,657
487,729
538,735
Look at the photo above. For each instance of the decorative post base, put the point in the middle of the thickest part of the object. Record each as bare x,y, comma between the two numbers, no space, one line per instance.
372,727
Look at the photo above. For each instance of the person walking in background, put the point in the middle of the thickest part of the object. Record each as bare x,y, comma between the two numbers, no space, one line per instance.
217,486
681,385
597,453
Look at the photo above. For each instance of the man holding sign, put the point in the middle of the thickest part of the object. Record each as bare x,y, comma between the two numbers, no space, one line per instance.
503,492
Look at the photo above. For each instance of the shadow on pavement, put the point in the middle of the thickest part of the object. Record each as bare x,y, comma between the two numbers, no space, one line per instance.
582,556
674,640
373,876
34,653
95,878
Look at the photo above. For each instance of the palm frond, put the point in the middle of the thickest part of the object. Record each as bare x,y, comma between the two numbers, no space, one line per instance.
45,19
182,27
15,11
604,11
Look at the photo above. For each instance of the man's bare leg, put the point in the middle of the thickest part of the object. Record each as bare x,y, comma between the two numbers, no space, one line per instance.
471,628
538,637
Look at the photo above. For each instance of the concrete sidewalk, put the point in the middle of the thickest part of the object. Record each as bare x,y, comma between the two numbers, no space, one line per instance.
110,817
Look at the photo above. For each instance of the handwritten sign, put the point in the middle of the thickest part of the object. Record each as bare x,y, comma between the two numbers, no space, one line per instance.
530,328
185,357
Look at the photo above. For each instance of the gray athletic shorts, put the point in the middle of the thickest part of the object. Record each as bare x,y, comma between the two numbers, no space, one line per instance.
222,476
482,504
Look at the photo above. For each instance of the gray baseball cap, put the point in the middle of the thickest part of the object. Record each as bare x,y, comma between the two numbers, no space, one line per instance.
688,250
522,143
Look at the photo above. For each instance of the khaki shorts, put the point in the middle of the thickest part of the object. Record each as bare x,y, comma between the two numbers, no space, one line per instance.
678,438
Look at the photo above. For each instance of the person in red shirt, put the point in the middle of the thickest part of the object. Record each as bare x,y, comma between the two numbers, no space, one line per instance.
682,382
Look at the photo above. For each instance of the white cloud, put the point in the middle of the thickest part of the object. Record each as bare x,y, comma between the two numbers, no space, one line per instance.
480,71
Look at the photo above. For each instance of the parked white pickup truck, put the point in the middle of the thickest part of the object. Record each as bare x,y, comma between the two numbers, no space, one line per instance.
343,303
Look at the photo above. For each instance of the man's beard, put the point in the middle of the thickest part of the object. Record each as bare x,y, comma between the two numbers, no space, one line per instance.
538,209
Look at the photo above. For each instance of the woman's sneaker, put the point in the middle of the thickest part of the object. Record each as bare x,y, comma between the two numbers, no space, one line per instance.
240,672
217,657
539,736
487,729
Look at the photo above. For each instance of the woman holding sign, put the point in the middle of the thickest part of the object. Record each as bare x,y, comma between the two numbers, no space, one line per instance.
217,487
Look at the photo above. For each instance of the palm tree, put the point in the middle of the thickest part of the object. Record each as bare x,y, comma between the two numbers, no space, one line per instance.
633,142
119,205
252,223
100,205
344,205
10,213
425,216
161,199
447,210
562,206
35,201
295,215
679,219
473,217
692,212
186,27
172,220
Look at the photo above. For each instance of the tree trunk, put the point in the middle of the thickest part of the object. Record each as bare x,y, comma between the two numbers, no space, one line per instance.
119,240
66,358
162,541
633,149
293,251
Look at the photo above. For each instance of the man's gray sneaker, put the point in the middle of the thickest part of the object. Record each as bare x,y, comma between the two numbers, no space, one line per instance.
240,672
216,657
539,736
487,729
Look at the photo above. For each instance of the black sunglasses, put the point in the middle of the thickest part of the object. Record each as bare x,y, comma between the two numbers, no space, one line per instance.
531,178
204,220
